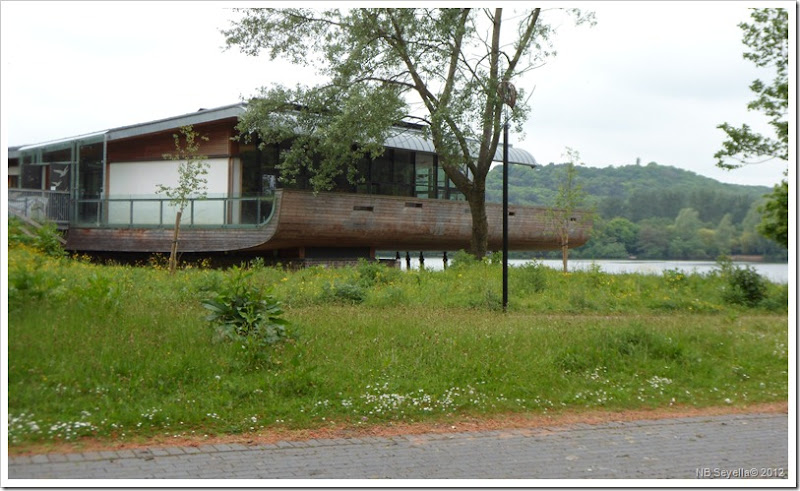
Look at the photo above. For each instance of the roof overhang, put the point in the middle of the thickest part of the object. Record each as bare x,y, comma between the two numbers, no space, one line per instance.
414,140
65,142
199,117
404,138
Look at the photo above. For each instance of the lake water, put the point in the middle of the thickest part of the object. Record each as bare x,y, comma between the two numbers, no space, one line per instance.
775,272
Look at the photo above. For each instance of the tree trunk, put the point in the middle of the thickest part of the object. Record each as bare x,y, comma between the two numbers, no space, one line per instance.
173,253
565,255
479,241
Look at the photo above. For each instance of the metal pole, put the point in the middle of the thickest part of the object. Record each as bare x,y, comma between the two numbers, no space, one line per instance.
505,215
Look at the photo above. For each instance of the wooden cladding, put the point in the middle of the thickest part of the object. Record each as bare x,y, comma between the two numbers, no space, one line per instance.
153,146
302,219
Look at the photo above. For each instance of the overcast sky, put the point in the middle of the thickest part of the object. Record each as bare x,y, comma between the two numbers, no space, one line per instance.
651,80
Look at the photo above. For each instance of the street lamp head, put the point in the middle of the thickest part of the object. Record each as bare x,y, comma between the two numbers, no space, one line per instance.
508,93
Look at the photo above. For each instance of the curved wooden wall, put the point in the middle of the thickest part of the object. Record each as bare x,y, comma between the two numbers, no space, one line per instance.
302,219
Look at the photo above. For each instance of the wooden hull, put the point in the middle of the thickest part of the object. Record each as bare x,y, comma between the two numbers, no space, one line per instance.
335,220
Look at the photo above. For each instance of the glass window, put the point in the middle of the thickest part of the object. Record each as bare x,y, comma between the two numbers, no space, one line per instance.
403,174
425,176
90,181
31,174
382,169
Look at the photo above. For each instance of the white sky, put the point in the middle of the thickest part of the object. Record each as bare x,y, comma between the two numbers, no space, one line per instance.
650,80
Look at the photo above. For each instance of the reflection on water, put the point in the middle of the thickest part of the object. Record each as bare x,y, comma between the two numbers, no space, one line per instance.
776,272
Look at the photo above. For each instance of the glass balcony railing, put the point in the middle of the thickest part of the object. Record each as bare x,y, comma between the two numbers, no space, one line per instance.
147,212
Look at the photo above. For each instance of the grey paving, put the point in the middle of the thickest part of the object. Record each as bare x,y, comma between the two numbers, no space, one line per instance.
738,446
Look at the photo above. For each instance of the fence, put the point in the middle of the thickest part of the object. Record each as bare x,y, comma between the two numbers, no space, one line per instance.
40,205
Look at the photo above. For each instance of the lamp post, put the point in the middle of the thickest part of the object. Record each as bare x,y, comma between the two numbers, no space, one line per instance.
509,95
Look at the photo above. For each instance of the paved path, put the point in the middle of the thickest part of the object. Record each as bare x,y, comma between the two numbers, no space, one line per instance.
711,446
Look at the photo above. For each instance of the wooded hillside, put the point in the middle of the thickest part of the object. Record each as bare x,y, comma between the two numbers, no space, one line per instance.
651,211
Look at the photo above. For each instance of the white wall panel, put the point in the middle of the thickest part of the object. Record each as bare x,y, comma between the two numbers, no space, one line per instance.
141,180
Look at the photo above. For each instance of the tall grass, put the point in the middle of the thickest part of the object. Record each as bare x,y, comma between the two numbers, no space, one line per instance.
122,352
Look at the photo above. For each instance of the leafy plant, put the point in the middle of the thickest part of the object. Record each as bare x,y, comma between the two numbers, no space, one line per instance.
241,312
344,292
530,278
372,273
45,238
744,286
463,259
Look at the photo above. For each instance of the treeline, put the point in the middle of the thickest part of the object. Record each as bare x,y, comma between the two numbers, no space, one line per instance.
651,211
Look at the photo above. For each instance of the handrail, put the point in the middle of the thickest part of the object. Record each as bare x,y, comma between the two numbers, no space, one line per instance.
142,211
151,212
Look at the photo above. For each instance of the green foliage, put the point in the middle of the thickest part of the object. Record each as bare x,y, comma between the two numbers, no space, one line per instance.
637,207
775,221
191,168
240,312
345,292
44,238
378,65
528,279
371,273
29,284
422,346
635,192
744,285
767,38
462,259
191,181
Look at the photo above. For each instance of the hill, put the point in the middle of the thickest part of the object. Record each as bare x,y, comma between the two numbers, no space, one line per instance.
650,211
635,192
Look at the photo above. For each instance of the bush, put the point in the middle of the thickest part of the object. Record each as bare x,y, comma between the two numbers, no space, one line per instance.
372,273
530,278
344,292
743,285
45,238
463,259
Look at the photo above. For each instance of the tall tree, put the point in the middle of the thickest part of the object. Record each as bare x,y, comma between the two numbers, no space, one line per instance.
725,235
767,40
191,183
440,67
775,215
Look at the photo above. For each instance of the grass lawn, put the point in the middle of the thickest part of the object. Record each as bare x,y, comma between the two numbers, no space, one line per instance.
125,353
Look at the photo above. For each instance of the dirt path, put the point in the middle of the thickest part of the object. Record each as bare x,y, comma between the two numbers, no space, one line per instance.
509,421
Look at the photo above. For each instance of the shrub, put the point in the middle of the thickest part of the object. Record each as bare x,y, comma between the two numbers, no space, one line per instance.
462,259
674,278
371,273
743,285
344,292
529,278
45,238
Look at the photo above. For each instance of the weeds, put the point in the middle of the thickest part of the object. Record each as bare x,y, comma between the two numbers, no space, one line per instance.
125,352
241,313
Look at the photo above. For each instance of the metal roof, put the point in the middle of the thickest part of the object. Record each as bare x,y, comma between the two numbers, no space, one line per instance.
197,117
64,142
410,139
401,138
